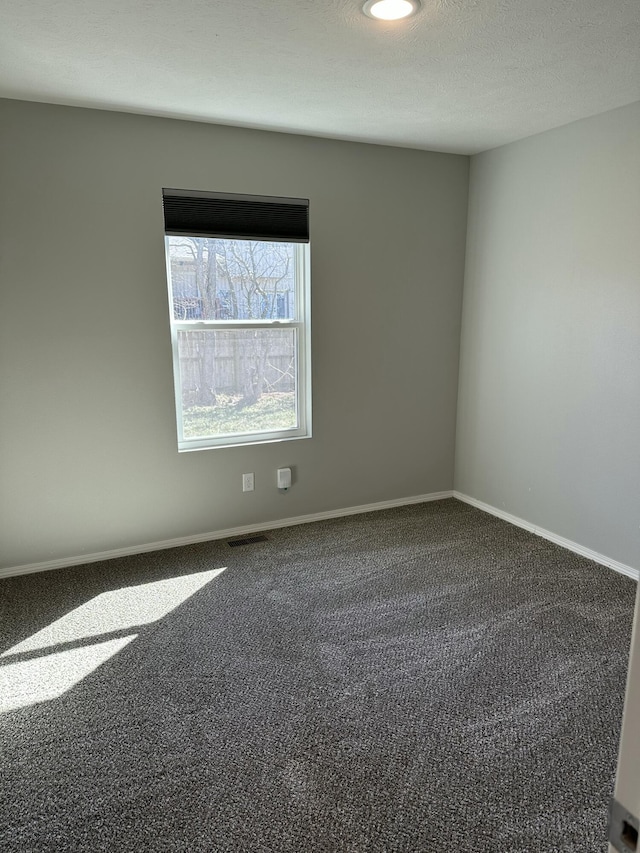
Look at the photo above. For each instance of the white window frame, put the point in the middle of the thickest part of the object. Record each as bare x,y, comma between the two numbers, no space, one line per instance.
302,325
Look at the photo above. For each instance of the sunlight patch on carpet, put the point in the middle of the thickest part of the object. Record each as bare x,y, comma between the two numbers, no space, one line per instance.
27,679
117,610
41,679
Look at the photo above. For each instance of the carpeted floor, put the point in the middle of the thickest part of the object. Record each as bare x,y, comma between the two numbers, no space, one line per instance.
424,679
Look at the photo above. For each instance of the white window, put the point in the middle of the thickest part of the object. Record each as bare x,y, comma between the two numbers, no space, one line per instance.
238,273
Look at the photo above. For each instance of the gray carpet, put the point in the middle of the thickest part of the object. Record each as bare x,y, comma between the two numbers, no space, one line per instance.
425,679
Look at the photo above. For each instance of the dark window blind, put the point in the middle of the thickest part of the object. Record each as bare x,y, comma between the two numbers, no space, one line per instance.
248,217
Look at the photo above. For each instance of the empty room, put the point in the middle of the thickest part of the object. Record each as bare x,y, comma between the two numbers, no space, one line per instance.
320,426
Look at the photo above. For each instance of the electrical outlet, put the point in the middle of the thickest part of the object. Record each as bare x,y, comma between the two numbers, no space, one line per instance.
283,478
247,483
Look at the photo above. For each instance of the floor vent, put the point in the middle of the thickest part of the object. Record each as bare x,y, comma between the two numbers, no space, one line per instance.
248,540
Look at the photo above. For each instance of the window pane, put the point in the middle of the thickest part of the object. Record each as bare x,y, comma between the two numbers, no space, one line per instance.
216,279
237,381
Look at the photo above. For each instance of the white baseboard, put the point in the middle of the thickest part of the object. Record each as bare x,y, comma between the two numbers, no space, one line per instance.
552,537
244,530
231,532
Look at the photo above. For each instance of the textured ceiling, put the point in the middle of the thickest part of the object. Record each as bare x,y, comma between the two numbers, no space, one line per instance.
461,76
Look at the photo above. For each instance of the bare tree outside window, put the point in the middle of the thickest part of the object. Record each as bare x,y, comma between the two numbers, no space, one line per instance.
235,313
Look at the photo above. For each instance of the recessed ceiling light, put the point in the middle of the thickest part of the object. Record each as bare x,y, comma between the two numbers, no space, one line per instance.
390,10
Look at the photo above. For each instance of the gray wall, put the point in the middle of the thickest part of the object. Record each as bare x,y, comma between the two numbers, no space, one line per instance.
549,395
88,458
